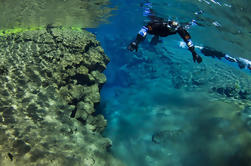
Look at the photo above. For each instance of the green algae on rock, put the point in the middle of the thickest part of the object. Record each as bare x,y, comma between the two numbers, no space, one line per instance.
50,83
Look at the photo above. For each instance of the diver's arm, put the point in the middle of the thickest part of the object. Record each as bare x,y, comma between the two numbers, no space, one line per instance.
140,37
187,39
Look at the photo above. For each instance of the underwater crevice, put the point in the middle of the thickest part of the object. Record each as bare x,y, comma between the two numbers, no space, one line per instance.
75,103
10,156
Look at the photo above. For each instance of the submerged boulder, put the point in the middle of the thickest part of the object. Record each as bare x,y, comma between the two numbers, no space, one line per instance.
50,83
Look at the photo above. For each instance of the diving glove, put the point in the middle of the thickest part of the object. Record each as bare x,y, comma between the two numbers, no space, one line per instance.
133,46
196,58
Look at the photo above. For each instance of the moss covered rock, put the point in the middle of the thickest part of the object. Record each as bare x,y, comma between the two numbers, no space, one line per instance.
50,82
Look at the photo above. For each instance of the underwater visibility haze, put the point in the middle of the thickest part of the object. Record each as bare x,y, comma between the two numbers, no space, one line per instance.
163,109
72,97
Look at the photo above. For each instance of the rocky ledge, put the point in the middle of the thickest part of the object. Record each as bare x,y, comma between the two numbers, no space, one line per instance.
50,83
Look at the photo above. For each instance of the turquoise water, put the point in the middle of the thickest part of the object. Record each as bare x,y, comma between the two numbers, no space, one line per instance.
162,109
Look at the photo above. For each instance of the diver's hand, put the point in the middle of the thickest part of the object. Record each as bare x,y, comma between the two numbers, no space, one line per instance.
196,58
133,46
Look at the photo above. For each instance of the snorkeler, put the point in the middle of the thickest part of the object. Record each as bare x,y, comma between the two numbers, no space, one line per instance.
160,28
242,62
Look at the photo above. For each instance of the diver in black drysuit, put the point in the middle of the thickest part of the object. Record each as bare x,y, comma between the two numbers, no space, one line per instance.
242,62
159,27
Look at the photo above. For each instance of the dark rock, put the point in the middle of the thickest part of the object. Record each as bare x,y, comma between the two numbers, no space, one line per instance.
36,154
166,136
243,94
4,93
231,92
3,70
220,91
10,156
21,147
8,115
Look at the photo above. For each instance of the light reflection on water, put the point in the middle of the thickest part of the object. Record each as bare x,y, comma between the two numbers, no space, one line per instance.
77,13
224,24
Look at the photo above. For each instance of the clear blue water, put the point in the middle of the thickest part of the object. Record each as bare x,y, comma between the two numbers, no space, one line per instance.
162,108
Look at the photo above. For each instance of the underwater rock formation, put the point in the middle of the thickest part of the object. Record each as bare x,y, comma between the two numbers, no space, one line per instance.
50,83
212,76
163,137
